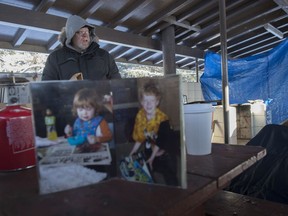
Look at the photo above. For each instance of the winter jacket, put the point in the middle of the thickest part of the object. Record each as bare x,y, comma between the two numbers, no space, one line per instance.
94,63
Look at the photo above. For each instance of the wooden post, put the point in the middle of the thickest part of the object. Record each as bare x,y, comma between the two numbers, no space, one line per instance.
168,48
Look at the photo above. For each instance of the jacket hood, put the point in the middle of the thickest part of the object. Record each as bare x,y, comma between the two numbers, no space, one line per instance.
75,23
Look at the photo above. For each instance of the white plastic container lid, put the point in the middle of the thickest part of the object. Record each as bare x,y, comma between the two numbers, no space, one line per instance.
198,108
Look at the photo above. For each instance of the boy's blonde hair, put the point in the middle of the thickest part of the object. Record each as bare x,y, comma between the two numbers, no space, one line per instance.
150,88
86,98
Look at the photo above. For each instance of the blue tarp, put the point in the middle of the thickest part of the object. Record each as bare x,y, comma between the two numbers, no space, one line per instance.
260,77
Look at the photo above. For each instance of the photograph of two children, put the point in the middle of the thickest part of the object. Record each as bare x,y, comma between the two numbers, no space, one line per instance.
91,131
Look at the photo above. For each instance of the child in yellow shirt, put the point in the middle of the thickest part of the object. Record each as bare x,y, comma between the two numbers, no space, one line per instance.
147,125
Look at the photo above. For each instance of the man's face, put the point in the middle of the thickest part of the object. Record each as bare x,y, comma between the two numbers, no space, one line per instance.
81,39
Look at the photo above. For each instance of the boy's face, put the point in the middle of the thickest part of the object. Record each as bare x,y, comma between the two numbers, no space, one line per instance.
149,103
86,113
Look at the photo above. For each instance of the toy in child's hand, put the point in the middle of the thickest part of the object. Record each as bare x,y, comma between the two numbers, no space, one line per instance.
92,139
68,130
76,140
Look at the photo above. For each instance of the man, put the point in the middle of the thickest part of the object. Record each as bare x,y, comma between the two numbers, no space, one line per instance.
80,53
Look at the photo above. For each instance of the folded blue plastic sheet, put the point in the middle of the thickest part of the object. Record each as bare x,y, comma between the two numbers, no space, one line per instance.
263,76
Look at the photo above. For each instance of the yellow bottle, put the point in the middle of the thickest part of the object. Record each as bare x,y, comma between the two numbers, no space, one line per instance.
50,121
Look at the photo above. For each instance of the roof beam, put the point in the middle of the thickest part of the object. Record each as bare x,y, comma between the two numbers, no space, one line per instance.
19,17
203,5
181,60
22,33
136,54
127,13
118,54
184,24
145,57
53,43
90,9
44,5
276,32
251,26
259,49
25,47
141,42
159,16
158,60
242,14
109,47
20,36
283,4
187,64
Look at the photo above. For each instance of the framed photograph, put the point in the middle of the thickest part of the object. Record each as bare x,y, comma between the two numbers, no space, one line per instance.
91,131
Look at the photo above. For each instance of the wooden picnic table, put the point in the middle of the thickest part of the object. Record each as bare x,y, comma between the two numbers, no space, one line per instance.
206,175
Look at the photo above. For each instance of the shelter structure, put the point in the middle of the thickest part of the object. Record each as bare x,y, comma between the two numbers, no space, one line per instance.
171,33
149,31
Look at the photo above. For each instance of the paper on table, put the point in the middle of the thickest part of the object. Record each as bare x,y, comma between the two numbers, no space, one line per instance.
70,176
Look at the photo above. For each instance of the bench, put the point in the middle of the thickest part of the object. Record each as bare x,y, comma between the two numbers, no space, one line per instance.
226,203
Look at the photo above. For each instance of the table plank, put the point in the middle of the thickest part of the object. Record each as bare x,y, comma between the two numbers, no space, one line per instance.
228,150
18,184
225,163
107,198
205,175
226,203
201,189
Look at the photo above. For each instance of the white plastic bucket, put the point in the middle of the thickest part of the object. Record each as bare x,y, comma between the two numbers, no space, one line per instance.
198,128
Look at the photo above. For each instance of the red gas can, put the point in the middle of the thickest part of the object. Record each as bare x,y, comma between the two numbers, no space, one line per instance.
17,144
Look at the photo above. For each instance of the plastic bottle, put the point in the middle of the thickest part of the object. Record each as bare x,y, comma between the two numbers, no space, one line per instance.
50,121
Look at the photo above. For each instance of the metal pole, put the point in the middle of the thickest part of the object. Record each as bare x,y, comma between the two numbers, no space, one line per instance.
224,66
197,69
